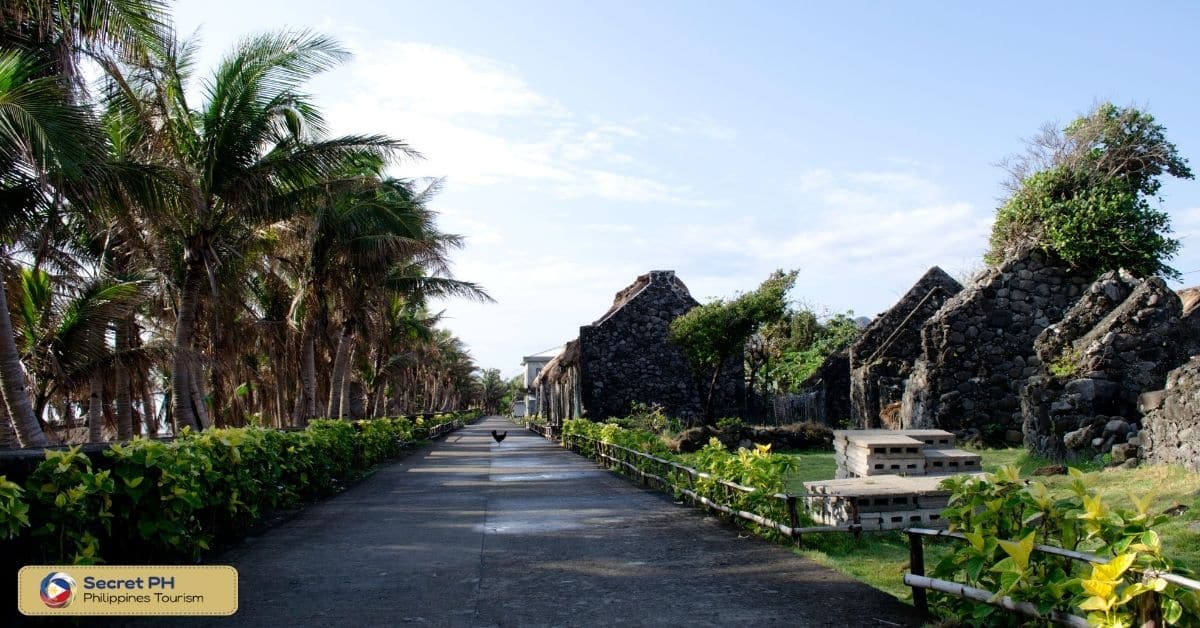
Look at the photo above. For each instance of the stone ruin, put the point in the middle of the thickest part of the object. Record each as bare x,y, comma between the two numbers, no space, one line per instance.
557,386
627,357
1120,340
882,357
977,351
1171,433
1031,352
824,396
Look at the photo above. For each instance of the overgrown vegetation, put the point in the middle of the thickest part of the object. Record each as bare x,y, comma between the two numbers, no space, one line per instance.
1084,193
1068,364
713,334
1003,518
881,559
791,357
151,500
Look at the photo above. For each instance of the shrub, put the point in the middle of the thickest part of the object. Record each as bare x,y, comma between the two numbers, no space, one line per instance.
1084,194
172,500
70,507
14,513
1002,518
758,468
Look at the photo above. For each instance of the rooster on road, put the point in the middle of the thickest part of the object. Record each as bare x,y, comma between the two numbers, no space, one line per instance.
499,436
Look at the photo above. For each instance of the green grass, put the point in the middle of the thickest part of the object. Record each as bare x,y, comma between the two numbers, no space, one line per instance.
810,466
881,558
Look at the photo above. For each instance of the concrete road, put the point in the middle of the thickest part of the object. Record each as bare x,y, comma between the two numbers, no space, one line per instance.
469,532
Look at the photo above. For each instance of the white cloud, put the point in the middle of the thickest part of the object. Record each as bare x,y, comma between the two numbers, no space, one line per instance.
477,122
860,237
620,187
702,125
610,228
446,83
464,223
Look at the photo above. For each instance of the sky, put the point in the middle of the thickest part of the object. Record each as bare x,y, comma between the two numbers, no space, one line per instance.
584,143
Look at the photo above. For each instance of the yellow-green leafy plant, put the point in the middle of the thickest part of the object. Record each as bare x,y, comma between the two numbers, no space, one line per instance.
1003,517
14,512
70,508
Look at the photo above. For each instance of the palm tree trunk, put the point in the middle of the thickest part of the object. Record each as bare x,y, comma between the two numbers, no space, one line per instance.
12,378
222,415
185,332
341,366
67,412
203,419
124,396
8,436
149,415
95,411
308,376
379,399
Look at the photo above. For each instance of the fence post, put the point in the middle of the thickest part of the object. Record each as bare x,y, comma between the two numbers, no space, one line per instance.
855,518
1149,610
793,518
916,566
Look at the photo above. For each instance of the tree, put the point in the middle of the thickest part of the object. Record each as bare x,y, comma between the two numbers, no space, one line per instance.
1083,193
64,334
492,390
252,155
388,245
712,334
148,246
57,33
799,360
47,144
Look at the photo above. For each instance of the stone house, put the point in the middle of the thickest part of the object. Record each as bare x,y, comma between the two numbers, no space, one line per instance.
626,357
883,355
977,350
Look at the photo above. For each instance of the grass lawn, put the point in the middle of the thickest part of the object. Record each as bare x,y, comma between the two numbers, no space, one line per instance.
881,558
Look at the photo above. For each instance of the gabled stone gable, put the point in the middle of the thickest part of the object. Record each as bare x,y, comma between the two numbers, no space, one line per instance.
882,357
626,356
977,350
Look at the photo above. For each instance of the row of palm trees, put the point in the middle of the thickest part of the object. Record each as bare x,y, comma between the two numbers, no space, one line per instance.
203,253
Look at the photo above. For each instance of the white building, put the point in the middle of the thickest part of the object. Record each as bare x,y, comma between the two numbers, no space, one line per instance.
532,365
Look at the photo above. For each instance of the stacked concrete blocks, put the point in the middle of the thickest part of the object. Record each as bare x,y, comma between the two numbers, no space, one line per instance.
866,453
885,502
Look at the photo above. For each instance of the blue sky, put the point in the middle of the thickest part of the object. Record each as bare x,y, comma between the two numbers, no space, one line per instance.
584,143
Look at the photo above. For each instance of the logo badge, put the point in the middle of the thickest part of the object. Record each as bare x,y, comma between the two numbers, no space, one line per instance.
58,589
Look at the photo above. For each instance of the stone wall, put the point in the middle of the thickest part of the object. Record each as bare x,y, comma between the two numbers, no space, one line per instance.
1121,339
1172,420
977,350
557,386
627,357
882,357
824,396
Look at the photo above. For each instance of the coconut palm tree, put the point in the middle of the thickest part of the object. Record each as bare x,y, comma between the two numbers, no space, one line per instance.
252,154
47,147
400,254
58,33
64,331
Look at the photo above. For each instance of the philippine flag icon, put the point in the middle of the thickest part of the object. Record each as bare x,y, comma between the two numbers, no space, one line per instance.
58,589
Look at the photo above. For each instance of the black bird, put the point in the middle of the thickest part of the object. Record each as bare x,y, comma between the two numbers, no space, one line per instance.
499,437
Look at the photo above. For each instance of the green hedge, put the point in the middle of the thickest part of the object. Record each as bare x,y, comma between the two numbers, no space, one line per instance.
758,468
170,500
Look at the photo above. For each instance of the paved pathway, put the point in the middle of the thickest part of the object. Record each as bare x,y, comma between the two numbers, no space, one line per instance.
471,533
